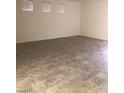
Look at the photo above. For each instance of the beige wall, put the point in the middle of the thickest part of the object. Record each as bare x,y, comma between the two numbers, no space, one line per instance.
94,19
88,19
32,26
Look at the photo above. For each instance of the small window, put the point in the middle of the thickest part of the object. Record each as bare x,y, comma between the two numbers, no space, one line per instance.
27,5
